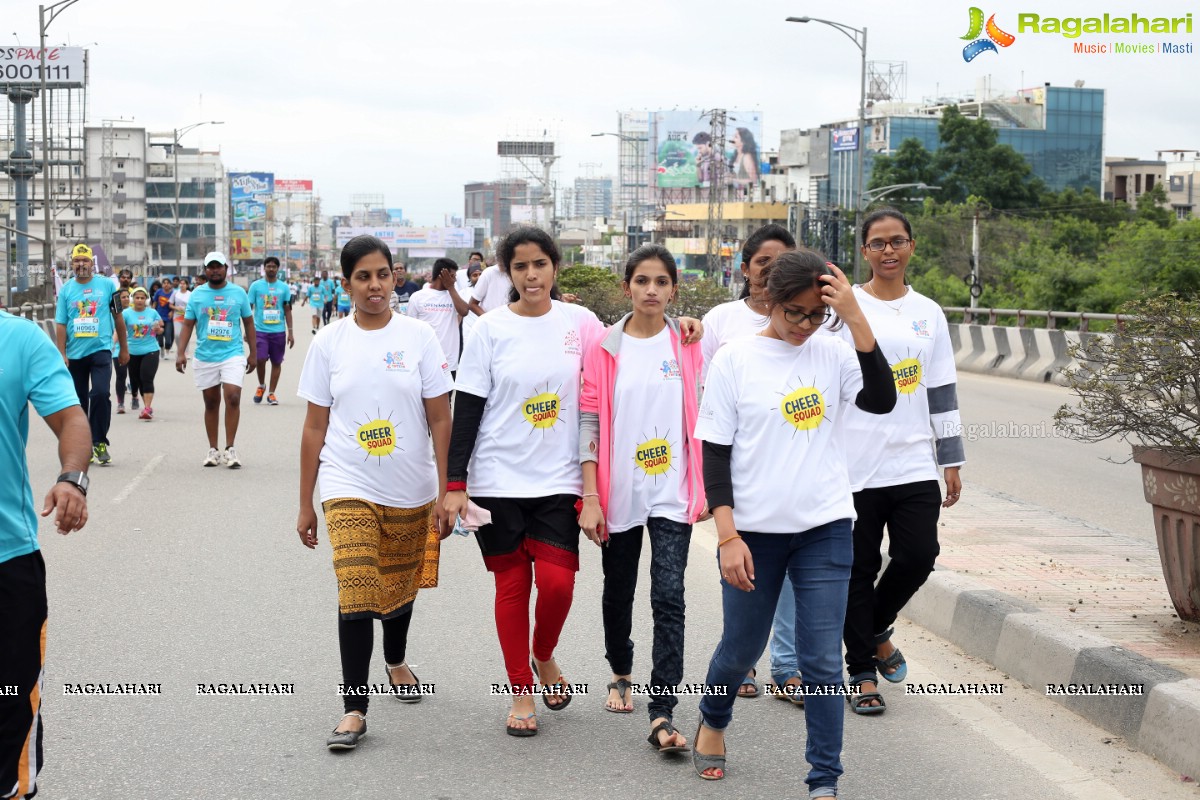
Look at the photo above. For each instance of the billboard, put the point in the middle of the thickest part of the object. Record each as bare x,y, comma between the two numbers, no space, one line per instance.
685,156
292,186
241,245
396,236
844,139
249,193
64,66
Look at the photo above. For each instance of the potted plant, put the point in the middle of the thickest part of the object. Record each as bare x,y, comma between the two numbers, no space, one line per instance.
1142,385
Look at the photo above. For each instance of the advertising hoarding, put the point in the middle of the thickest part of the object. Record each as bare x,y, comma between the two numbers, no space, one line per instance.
685,156
23,65
249,193
292,186
396,236
844,139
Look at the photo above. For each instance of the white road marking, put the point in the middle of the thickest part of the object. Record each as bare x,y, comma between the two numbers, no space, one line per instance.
137,479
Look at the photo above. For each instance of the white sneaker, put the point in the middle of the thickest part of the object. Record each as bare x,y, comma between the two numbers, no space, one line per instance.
231,459
214,458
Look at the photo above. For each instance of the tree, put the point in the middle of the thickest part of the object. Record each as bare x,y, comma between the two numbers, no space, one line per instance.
1152,207
911,163
969,161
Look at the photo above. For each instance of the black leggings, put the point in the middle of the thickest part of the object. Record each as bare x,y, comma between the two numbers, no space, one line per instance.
122,373
142,370
356,639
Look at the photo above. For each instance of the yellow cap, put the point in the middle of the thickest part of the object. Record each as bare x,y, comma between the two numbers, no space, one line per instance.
81,251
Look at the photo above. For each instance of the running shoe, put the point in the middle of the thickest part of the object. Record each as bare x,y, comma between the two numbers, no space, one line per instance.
231,459
258,394
145,413
100,453
214,458
120,408
134,403
272,400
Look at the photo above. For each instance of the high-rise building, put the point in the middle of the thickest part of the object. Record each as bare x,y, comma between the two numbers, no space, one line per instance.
495,200
593,197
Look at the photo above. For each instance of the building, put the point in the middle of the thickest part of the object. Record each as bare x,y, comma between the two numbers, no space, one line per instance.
1059,130
1183,181
593,197
502,203
1126,179
178,242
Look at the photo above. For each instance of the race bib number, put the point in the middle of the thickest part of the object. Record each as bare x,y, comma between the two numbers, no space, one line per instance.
86,328
270,316
220,330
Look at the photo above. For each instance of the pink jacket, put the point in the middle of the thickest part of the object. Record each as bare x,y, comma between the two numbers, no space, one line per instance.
600,363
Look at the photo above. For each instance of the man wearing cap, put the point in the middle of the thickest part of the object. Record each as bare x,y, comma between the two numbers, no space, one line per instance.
86,315
213,311
31,372
272,302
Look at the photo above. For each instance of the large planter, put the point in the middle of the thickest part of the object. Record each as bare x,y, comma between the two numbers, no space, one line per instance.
1172,488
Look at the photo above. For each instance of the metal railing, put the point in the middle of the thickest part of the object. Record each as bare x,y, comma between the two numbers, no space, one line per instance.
990,316
34,312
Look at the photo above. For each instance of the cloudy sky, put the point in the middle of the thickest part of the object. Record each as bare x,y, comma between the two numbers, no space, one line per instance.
407,99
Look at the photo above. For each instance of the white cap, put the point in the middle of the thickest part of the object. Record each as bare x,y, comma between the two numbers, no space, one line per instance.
217,256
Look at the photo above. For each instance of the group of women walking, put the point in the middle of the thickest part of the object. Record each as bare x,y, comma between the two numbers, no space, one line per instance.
635,433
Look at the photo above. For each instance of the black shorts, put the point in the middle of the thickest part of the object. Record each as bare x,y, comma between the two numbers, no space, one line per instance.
528,528
22,640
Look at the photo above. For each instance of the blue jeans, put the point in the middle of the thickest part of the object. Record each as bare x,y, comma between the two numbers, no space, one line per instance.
818,562
95,369
783,639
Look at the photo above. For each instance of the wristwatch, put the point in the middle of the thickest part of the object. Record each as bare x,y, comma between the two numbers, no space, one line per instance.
77,479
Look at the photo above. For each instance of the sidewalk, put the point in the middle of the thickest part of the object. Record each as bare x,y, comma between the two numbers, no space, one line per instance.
1052,600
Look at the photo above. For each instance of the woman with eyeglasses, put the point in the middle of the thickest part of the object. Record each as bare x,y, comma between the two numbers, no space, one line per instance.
772,409
747,316
894,459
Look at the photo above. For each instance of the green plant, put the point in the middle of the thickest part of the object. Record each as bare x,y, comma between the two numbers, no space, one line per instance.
1142,384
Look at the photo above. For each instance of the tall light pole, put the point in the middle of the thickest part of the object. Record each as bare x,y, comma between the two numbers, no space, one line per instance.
859,37
52,11
179,133
623,137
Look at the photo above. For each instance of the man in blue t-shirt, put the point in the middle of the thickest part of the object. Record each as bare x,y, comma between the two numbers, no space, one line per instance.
31,371
272,302
328,292
214,312
316,301
85,318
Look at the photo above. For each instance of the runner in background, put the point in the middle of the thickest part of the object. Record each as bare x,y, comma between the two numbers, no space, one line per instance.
328,292
85,319
271,300
121,371
315,300
405,288
213,313
440,306
179,301
144,325
342,295
473,272
161,301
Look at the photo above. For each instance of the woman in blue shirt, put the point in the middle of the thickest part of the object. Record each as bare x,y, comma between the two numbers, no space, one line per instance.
144,325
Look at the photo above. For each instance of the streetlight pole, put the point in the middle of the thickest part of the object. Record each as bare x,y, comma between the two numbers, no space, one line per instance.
176,135
859,37
52,11
624,208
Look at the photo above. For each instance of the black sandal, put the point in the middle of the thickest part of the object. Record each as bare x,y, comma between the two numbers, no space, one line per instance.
666,726
858,701
894,662
621,686
560,689
404,692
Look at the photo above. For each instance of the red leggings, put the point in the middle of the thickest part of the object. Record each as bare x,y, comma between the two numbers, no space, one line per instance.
556,586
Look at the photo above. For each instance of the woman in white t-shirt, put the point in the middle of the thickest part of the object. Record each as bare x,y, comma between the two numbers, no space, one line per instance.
747,316
641,469
376,434
775,479
179,300
894,459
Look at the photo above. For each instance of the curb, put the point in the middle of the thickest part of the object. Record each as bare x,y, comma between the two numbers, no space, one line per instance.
1032,647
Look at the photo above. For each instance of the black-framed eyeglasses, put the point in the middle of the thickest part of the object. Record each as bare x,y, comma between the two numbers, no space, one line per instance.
898,243
816,319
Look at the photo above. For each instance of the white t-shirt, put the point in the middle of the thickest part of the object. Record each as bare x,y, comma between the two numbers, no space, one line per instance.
529,370
649,455
492,288
780,406
434,307
179,298
377,445
897,448
723,324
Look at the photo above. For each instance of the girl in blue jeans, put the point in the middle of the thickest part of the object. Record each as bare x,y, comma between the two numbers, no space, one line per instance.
772,403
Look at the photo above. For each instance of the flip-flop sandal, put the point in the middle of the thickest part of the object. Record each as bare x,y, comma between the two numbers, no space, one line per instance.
665,748
893,662
858,702
559,688
750,682
701,762
621,686
521,732
794,694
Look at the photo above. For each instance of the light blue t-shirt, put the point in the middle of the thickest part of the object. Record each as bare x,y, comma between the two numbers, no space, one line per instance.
314,294
139,330
86,311
31,370
343,299
218,314
268,299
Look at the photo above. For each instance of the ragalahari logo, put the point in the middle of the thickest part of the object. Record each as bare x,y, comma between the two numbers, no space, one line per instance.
995,36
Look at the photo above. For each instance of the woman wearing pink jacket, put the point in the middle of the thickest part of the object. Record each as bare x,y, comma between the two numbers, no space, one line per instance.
642,469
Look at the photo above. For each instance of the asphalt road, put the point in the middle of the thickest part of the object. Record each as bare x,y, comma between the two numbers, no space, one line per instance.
186,575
